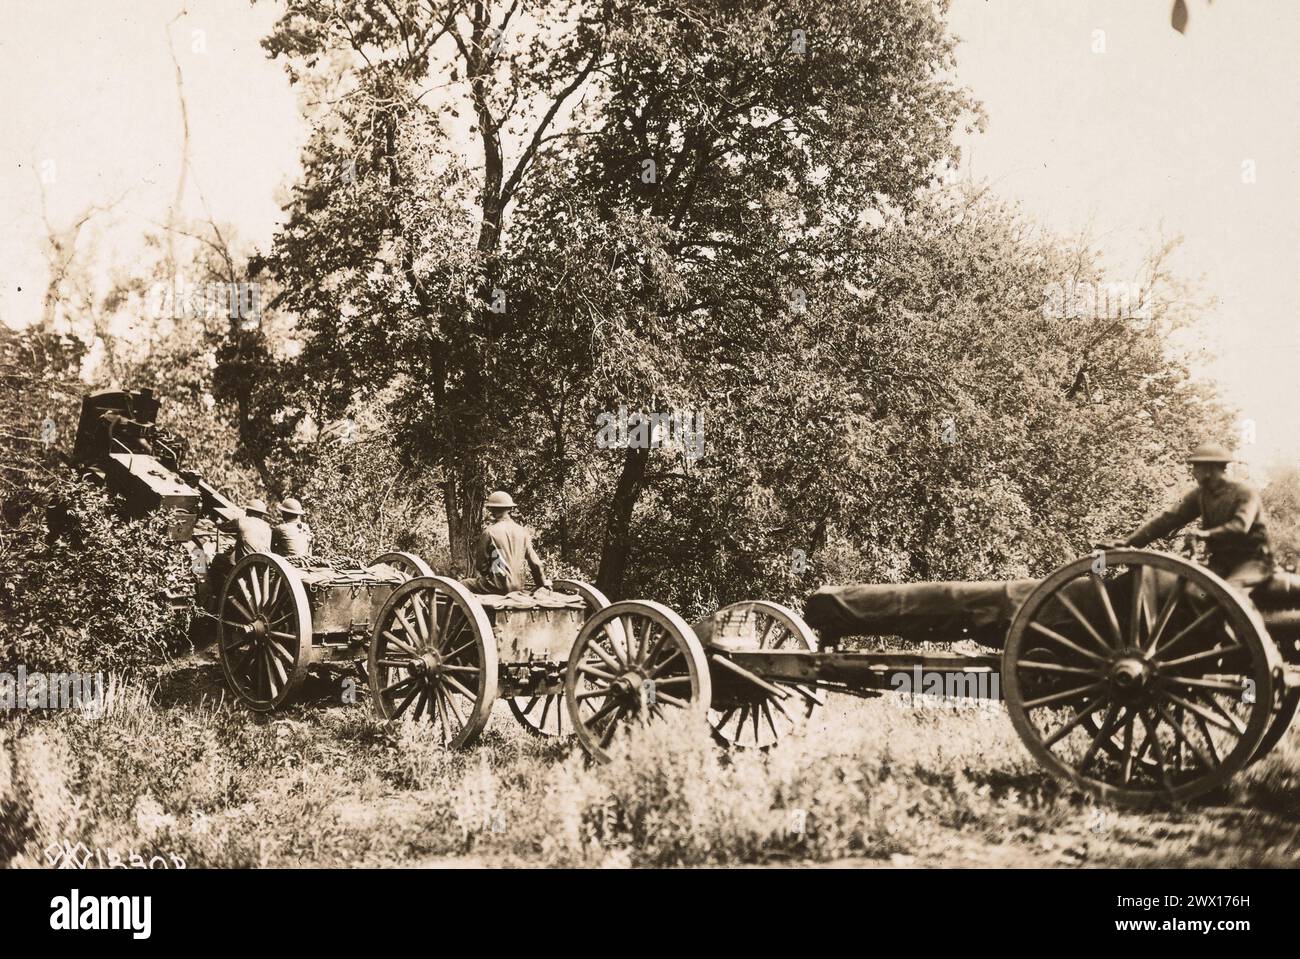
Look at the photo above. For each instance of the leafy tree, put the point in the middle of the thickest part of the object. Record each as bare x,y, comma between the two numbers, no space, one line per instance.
926,424
767,127
364,503
391,256
1282,508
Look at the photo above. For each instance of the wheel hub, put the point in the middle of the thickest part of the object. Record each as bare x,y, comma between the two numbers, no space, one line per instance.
257,630
428,663
1130,674
629,685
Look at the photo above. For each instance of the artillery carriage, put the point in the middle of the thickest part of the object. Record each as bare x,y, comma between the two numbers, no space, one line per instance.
120,446
1136,675
272,617
277,617
1139,676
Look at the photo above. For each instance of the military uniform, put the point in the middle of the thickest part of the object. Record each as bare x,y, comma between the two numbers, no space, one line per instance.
293,536
252,535
292,539
1232,516
504,551
502,557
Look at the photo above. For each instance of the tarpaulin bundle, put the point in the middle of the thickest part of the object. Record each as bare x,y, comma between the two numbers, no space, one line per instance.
923,611
982,611
540,599
322,574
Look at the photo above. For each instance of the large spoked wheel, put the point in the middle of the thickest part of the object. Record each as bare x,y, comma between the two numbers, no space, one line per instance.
264,636
408,564
433,657
1280,723
751,716
632,661
543,715
1151,681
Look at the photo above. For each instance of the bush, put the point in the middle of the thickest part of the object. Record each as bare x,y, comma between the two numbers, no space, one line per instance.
82,588
362,502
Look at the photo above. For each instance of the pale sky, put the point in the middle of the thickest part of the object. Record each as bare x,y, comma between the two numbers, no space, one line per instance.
1148,137
91,89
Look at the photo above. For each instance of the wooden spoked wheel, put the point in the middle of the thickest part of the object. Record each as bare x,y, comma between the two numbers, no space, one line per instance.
632,661
752,717
408,564
1151,681
1288,698
594,598
264,634
433,657
1280,723
543,714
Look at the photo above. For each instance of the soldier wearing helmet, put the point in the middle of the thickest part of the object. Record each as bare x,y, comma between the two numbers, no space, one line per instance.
252,531
1232,520
292,537
503,550
252,535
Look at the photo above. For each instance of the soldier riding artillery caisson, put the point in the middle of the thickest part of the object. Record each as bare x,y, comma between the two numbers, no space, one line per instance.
252,535
1129,681
292,537
1232,520
252,531
503,551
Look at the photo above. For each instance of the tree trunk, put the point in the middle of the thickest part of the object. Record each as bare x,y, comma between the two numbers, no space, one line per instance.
617,545
250,446
463,502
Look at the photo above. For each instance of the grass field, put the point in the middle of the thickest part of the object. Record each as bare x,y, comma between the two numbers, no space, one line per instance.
175,771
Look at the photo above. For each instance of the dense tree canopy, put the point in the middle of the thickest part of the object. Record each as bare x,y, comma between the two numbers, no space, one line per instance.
714,157
731,210
1282,507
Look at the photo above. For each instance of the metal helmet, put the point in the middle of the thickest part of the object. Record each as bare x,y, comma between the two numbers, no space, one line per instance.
256,507
292,506
1210,453
499,500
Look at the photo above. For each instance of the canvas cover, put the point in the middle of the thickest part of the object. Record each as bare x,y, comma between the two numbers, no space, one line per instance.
930,611
316,577
540,599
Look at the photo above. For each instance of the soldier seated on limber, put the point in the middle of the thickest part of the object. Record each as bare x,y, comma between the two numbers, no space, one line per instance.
252,535
1231,515
252,531
503,550
293,536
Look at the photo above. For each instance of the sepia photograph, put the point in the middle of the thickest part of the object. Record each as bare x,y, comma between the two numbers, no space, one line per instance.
677,434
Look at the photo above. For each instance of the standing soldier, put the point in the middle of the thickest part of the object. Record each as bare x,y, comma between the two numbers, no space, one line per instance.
293,536
503,550
1232,521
